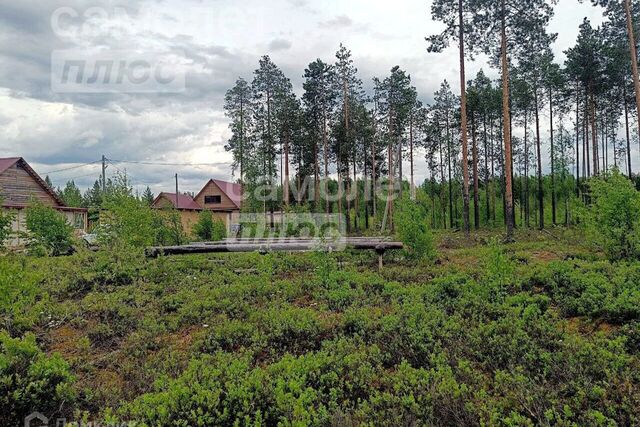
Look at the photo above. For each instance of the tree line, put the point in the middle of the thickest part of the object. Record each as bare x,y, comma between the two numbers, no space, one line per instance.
484,148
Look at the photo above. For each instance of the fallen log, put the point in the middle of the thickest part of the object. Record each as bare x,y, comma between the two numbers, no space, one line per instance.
273,246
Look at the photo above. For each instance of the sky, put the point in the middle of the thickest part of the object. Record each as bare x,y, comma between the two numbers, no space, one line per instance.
156,133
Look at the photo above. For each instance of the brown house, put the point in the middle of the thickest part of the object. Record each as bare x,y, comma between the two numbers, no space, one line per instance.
223,199
21,186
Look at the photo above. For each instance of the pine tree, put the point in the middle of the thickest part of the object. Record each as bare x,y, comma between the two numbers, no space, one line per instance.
505,25
349,88
455,15
71,195
148,197
238,108
320,102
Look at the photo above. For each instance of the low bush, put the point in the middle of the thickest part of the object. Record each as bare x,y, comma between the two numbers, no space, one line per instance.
49,232
410,220
32,381
6,221
613,219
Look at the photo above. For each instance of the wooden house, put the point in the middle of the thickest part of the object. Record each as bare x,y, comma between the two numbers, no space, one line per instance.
223,199
21,186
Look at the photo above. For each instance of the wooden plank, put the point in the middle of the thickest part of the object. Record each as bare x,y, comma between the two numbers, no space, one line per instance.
304,246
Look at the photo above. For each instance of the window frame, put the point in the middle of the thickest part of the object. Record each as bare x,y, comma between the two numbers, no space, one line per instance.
213,199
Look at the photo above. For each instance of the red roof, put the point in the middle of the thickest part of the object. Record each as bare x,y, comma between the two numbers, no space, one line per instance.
9,162
184,201
232,190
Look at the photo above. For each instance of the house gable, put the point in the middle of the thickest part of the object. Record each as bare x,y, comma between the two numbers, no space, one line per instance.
214,198
21,186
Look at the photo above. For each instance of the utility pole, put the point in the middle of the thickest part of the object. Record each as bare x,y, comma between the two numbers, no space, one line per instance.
104,174
177,191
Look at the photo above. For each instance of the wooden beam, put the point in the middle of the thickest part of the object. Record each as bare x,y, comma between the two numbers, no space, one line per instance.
288,246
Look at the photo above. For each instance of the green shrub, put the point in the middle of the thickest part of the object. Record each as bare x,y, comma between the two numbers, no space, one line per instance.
613,220
127,220
209,229
411,225
49,232
203,229
6,219
168,225
498,266
31,381
219,231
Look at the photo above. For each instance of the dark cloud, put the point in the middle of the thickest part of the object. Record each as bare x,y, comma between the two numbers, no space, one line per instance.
279,44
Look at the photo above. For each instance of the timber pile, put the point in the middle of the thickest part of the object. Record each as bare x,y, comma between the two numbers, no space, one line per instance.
380,245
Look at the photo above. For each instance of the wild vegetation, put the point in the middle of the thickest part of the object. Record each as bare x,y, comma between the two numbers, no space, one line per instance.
544,331
463,327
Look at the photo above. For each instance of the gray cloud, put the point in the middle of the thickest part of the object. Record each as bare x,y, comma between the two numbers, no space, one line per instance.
340,21
52,129
279,44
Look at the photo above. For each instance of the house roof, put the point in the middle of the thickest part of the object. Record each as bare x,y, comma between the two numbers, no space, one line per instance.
9,162
232,190
184,201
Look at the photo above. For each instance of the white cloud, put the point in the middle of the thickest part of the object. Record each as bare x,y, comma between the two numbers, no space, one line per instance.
220,40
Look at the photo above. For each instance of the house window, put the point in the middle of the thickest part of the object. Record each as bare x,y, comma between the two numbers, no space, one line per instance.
78,221
212,200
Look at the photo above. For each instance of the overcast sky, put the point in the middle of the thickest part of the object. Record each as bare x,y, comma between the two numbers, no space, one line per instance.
216,41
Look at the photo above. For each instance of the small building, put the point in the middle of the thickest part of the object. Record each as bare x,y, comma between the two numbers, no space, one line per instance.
21,186
223,199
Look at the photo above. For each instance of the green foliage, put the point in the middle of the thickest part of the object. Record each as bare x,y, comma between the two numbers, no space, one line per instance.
128,221
411,224
49,232
499,266
168,226
6,221
208,228
31,381
219,231
486,337
203,229
613,220
71,195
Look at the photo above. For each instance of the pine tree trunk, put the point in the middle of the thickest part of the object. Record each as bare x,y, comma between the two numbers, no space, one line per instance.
594,134
450,184
463,121
577,140
476,185
507,128
366,189
442,191
355,202
525,182
626,127
286,170
539,159
634,57
413,186
486,168
325,153
553,156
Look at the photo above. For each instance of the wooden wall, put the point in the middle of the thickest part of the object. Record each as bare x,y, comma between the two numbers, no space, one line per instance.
212,189
17,187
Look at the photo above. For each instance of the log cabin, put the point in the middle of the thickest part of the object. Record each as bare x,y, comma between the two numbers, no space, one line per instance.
21,186
223,199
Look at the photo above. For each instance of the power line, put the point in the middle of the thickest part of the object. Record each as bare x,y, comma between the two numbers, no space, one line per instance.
166,164
71,168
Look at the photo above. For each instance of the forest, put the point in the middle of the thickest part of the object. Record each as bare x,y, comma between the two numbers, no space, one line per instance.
515,300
